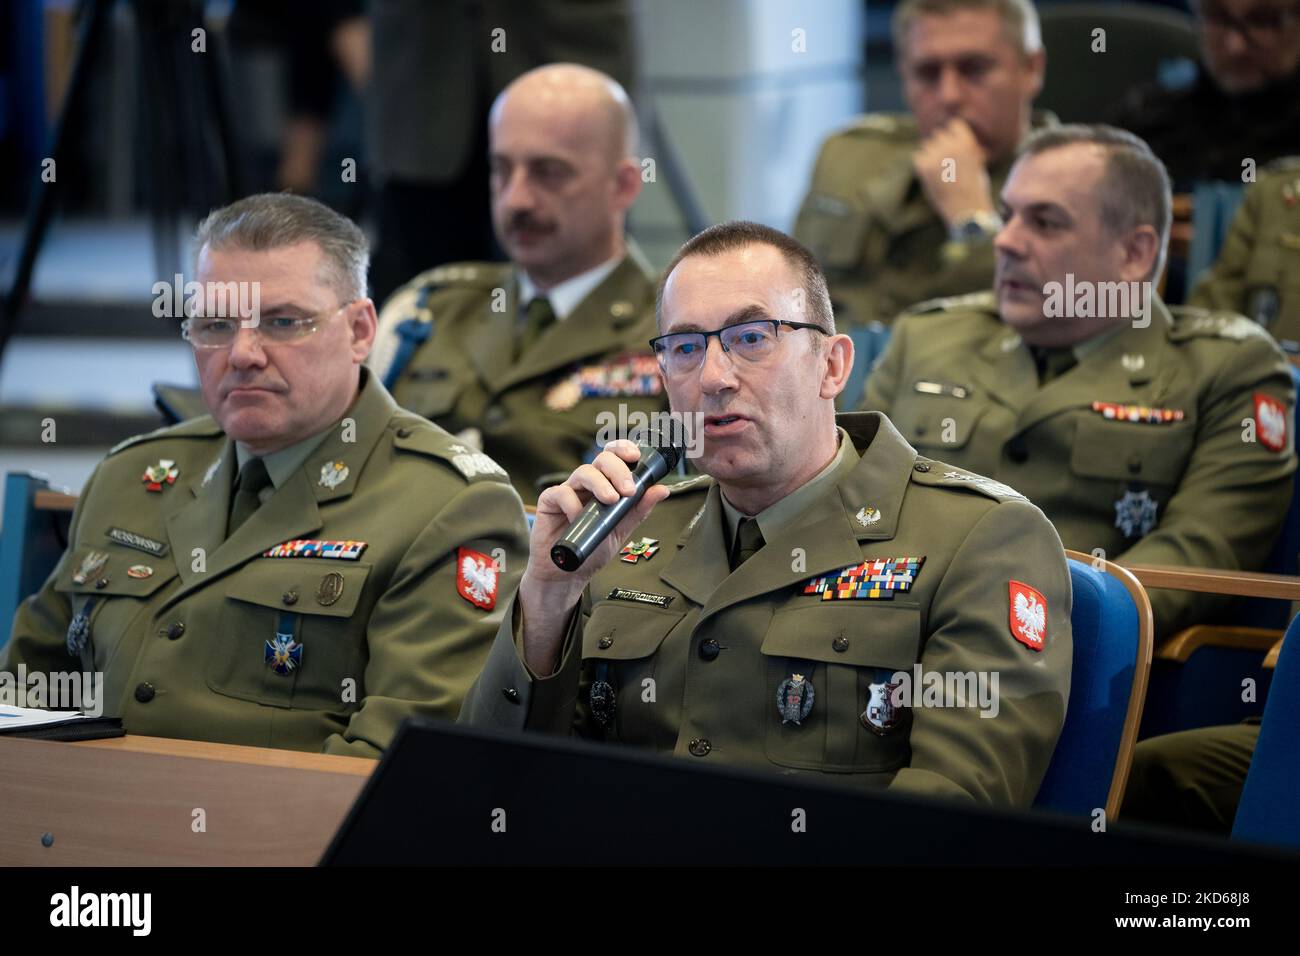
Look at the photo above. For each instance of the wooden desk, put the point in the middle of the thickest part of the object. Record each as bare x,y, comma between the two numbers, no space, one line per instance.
130,801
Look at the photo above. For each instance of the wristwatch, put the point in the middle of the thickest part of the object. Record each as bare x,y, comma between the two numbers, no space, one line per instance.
976,227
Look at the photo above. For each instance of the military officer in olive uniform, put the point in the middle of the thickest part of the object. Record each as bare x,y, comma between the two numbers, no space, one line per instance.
902,208
308,565
1160,439
534,361
774,611
1258,269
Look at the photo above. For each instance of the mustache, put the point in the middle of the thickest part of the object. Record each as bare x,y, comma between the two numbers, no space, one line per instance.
527,221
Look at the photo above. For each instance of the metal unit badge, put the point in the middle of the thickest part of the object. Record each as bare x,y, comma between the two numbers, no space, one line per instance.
601,697
881,716
330,589
642,548
333,474
877,579
163,473
794,699
91,565
1135,513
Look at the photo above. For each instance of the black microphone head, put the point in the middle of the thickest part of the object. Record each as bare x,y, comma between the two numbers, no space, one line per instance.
666,438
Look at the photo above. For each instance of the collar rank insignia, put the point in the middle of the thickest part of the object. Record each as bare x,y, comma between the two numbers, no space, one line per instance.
283,654
163,473
1142,414
310,548
476,578
877,579
1027,615
1135,513
867,516
90,567
794,699
333,474
1270,422
882,714
644,548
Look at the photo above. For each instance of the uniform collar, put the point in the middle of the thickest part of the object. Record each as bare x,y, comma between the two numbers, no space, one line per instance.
283,463
328,471
860,503
568,295
778,516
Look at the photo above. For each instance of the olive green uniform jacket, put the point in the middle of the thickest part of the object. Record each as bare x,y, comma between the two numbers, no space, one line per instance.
540,415
868,222
182,637
1207,485
695,654
1260,257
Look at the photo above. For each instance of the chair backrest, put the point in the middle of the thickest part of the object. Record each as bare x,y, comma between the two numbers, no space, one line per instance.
869,343
31,543
1269,811
1112,631
1214,205
1142,42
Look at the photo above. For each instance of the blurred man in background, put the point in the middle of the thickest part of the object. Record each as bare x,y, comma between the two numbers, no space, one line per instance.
524,359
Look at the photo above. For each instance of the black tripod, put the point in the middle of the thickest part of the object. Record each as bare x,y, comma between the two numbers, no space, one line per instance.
186,120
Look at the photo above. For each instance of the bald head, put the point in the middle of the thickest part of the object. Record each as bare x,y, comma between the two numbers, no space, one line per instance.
593,104
561,145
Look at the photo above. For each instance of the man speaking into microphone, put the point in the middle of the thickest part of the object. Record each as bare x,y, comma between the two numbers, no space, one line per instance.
821,599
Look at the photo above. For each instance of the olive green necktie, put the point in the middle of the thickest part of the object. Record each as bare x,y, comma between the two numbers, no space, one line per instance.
1053,363
538,318
252,479
748,540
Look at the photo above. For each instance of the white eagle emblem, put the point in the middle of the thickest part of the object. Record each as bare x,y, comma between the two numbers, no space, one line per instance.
480,580
1031,618
1272,424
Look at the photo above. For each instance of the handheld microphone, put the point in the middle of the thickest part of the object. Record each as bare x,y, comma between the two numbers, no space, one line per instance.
598,520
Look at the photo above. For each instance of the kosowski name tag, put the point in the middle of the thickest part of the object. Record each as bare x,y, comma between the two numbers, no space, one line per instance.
130,539
641,597
310,548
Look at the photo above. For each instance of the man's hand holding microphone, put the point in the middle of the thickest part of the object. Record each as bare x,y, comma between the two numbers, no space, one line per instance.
579,528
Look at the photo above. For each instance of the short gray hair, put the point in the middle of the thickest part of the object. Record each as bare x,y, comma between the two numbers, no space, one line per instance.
274,220
1019,19
1135,187
737,234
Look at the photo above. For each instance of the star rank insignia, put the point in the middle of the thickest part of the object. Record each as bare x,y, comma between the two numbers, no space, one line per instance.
163,473
635,550
876,579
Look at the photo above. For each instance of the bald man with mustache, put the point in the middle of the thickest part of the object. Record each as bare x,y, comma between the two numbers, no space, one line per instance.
520,360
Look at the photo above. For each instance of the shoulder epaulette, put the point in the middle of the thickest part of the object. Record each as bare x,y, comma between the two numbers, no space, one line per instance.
971,302
1191,322
202,427
678,486
940,475
417,435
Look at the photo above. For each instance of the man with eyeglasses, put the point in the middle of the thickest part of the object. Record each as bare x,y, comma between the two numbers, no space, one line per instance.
1243,102
782,609
527,359
902,207
309,564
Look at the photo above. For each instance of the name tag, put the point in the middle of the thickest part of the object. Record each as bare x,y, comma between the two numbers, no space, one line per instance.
941,388
641,597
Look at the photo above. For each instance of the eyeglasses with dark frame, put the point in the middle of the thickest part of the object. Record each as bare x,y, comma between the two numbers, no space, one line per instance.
1260,26
753,341
203,332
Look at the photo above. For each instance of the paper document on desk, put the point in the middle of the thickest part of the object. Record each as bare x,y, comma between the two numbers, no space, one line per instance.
26,718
